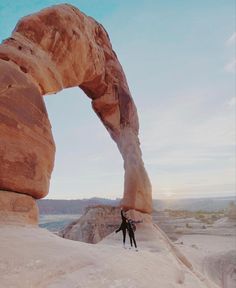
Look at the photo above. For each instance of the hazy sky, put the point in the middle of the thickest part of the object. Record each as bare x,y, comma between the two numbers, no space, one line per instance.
179,59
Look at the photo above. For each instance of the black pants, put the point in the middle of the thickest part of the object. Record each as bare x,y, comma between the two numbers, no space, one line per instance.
132,239
124,233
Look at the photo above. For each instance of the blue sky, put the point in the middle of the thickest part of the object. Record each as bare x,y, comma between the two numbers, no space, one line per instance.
179,59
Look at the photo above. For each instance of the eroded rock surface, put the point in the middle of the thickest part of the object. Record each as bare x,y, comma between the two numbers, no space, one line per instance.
17,208
26,143
56,48
96,223
99,221
231,211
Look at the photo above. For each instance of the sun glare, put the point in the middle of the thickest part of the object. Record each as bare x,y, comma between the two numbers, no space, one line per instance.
169,194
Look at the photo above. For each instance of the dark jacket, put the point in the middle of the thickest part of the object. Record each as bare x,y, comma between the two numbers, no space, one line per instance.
123,224
131,227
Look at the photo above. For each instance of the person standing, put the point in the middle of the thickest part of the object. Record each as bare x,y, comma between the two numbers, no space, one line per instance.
123,226
131,229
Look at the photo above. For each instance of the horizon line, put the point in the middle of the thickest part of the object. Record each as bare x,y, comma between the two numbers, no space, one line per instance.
163,198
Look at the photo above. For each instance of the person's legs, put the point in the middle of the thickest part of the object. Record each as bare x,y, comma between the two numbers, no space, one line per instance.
135,245
130,238
124,236
118,230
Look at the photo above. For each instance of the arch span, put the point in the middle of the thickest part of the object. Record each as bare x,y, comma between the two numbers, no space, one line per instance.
56,48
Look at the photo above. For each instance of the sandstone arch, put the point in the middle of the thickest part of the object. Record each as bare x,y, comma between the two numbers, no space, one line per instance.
56,48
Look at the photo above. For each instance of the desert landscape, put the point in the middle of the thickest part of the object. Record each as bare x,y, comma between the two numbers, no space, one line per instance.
207,239
201,253
46,260
59,243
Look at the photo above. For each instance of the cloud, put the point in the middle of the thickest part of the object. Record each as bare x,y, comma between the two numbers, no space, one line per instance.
191,119
192,184
231,66
188,145
232,101
231,40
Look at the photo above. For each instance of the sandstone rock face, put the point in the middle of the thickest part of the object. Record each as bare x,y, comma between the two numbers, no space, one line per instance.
98,222
94,225
26,143
17,208
56,48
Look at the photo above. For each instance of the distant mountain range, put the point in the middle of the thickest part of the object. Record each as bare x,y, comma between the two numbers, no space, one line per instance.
51,206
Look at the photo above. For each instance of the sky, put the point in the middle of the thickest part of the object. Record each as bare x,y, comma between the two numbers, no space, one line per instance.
179,60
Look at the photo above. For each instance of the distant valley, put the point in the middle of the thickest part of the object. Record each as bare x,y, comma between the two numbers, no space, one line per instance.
51,206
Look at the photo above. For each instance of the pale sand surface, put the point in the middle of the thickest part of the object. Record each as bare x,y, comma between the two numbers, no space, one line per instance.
212,255
34,257
212,251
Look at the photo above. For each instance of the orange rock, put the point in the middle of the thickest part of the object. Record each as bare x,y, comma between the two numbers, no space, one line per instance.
56,48
26,143
17,208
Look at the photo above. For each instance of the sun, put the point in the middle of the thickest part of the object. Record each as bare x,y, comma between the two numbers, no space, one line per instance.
169,194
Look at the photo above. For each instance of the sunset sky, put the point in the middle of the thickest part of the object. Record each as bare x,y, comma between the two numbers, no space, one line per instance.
179,60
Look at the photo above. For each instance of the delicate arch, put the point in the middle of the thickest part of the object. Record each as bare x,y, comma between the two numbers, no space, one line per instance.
56,48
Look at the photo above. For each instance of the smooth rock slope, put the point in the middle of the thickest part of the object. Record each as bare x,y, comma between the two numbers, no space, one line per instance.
41,259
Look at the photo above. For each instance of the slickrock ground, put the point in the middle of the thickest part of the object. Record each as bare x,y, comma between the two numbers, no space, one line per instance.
209,244
213,251
34,257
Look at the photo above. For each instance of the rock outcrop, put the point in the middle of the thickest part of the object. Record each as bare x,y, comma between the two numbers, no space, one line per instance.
222,268
231,211
96,223
61,47
17,208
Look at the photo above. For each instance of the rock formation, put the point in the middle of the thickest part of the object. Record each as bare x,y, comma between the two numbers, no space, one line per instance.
61,47
222,268
96,223
231,211
16,208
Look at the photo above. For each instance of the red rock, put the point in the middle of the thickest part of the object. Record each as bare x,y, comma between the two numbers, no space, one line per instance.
61,47
26,143
17,208
95,224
